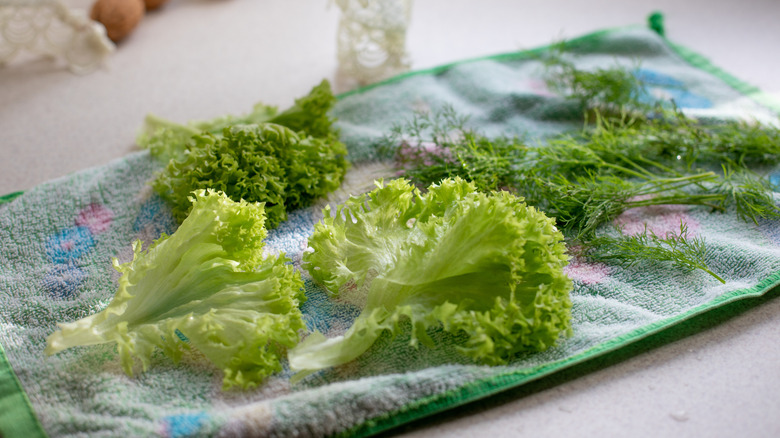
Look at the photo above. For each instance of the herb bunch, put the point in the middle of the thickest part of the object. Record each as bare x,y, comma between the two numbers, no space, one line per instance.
605,90
627,155
681,250
285,160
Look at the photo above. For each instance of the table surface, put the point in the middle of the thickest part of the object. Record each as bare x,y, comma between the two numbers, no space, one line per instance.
196,59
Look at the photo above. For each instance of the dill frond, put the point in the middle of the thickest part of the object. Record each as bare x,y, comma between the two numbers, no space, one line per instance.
681,250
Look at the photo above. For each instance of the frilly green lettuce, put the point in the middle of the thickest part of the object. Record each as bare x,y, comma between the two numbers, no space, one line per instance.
208,286
309,114
265,162
481,265
166,139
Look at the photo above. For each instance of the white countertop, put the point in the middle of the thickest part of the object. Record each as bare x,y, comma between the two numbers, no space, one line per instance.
198,59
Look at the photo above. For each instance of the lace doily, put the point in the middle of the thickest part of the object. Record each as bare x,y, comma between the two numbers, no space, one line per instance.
50,28
372,38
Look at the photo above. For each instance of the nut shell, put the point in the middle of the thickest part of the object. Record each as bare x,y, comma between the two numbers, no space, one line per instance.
153,4
119,17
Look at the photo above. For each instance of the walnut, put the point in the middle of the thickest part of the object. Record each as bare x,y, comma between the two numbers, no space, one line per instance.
153,4
119,17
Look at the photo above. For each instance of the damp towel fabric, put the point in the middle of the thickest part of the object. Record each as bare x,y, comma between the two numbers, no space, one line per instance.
58,240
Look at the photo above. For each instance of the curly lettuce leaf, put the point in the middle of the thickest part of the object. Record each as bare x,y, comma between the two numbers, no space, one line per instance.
208,286
309,114
168,140
257,163
483,265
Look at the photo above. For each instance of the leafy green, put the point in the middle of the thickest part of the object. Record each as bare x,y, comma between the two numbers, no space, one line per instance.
584,203
310,113
258,163
485,266
168,140
681,250
613,90
436,145
685,143
750,195
208,286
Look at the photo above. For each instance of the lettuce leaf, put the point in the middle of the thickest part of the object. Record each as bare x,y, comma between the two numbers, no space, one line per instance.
309,114
208,286
482,265
258,163
168,140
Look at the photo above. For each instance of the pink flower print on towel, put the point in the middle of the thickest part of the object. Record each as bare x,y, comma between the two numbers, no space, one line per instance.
662,220
96,217
583,271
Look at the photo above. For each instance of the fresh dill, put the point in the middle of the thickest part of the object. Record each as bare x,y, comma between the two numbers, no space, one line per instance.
628,154
583,204
437,145
681,250
606,90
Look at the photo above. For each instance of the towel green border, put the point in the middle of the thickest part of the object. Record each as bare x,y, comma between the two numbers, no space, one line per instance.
10,197
16,415
655,22
704,64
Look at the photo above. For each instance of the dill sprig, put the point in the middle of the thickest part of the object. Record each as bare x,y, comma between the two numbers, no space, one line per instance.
583,204
685,143
681,250
612,90
437,145
750,195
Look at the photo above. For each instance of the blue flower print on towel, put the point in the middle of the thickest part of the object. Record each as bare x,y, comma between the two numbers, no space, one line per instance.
183,425
774,181
154,219
62,281
324,314
69,244
658,86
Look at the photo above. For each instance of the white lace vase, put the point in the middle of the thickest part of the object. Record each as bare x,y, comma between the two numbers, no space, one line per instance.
50,28
371,39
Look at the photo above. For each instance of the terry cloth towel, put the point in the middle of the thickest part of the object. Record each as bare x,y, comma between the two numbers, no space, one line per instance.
58,240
